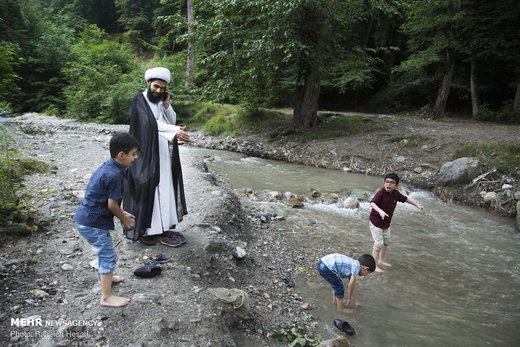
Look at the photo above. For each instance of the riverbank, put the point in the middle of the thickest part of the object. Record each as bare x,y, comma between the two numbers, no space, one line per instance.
424,146
48,276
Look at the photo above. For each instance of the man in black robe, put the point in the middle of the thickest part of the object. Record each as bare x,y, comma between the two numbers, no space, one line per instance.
154,190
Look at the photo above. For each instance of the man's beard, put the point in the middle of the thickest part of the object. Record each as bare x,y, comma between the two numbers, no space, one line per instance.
154,99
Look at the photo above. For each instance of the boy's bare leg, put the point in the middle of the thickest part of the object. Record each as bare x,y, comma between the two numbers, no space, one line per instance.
333,298
382,257
375,254
341,308
117,279
107,299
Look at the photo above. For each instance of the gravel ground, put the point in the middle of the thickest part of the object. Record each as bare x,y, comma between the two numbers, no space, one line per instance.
47,276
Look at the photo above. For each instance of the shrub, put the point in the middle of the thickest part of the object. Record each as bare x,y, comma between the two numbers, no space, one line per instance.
503,156
14,198
298,336
104,75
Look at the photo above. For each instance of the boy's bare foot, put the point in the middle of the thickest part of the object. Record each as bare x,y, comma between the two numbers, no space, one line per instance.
346,310
117,279
114,301
384,263
378,269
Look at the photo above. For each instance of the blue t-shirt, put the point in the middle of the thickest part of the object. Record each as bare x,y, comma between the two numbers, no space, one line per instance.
106,183
341,265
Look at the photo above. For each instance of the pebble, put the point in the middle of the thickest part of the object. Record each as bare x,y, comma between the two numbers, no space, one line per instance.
67,267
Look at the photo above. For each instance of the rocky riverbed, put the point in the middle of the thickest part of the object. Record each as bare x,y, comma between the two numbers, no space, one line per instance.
423,157
230,285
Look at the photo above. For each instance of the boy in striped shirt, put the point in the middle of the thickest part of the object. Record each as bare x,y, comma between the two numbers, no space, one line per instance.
334,267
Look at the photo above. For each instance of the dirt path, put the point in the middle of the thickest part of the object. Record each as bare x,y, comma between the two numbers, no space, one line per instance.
48,277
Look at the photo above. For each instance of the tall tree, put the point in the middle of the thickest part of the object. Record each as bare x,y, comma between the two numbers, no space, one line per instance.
190,61
42,46
253,51
433,31
491,37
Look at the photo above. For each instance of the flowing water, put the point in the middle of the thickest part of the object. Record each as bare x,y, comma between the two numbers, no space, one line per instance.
455,278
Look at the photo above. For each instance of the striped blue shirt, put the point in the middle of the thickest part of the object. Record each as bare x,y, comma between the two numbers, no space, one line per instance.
341,265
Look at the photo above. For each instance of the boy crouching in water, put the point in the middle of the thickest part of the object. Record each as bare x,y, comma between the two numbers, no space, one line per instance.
95,215
334,267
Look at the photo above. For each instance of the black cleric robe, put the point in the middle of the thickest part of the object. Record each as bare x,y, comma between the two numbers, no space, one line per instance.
143,176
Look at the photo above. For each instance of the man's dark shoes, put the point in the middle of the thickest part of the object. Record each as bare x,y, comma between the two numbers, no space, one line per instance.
344,327
150,269
175,239
147,240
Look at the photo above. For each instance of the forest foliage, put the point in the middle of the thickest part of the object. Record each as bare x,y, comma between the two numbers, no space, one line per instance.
86,58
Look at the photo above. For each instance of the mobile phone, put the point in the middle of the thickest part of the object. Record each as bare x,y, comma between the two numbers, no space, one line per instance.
165,95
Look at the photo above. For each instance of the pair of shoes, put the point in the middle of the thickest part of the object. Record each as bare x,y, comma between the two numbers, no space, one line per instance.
344,327
160,258
150,269
147,240
175,240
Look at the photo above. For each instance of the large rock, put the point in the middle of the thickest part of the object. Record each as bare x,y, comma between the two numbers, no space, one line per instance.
459,171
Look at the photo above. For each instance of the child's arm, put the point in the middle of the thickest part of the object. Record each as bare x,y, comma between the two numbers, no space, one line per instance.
351,290
126,218
354,292
380,211
411,202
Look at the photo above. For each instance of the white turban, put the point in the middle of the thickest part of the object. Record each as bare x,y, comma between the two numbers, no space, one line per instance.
161,73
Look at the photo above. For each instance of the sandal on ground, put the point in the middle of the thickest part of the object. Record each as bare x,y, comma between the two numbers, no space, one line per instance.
160,258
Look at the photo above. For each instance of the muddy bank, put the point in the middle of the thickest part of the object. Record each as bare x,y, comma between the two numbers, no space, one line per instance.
49,284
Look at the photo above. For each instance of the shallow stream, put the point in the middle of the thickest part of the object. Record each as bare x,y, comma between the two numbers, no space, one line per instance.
455,279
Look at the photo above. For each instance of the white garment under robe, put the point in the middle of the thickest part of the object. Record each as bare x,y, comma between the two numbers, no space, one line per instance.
164,212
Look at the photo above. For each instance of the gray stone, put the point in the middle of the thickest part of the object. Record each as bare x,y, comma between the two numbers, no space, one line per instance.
289,196
239,253
273,196
490,198
315,193
236,303
459,171
351,203
294,203
66,251
67,267
39,293
47,341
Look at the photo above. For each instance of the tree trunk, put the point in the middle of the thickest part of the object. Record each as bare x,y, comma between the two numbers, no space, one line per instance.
444,91
190,64
307,99
475,100
516,103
